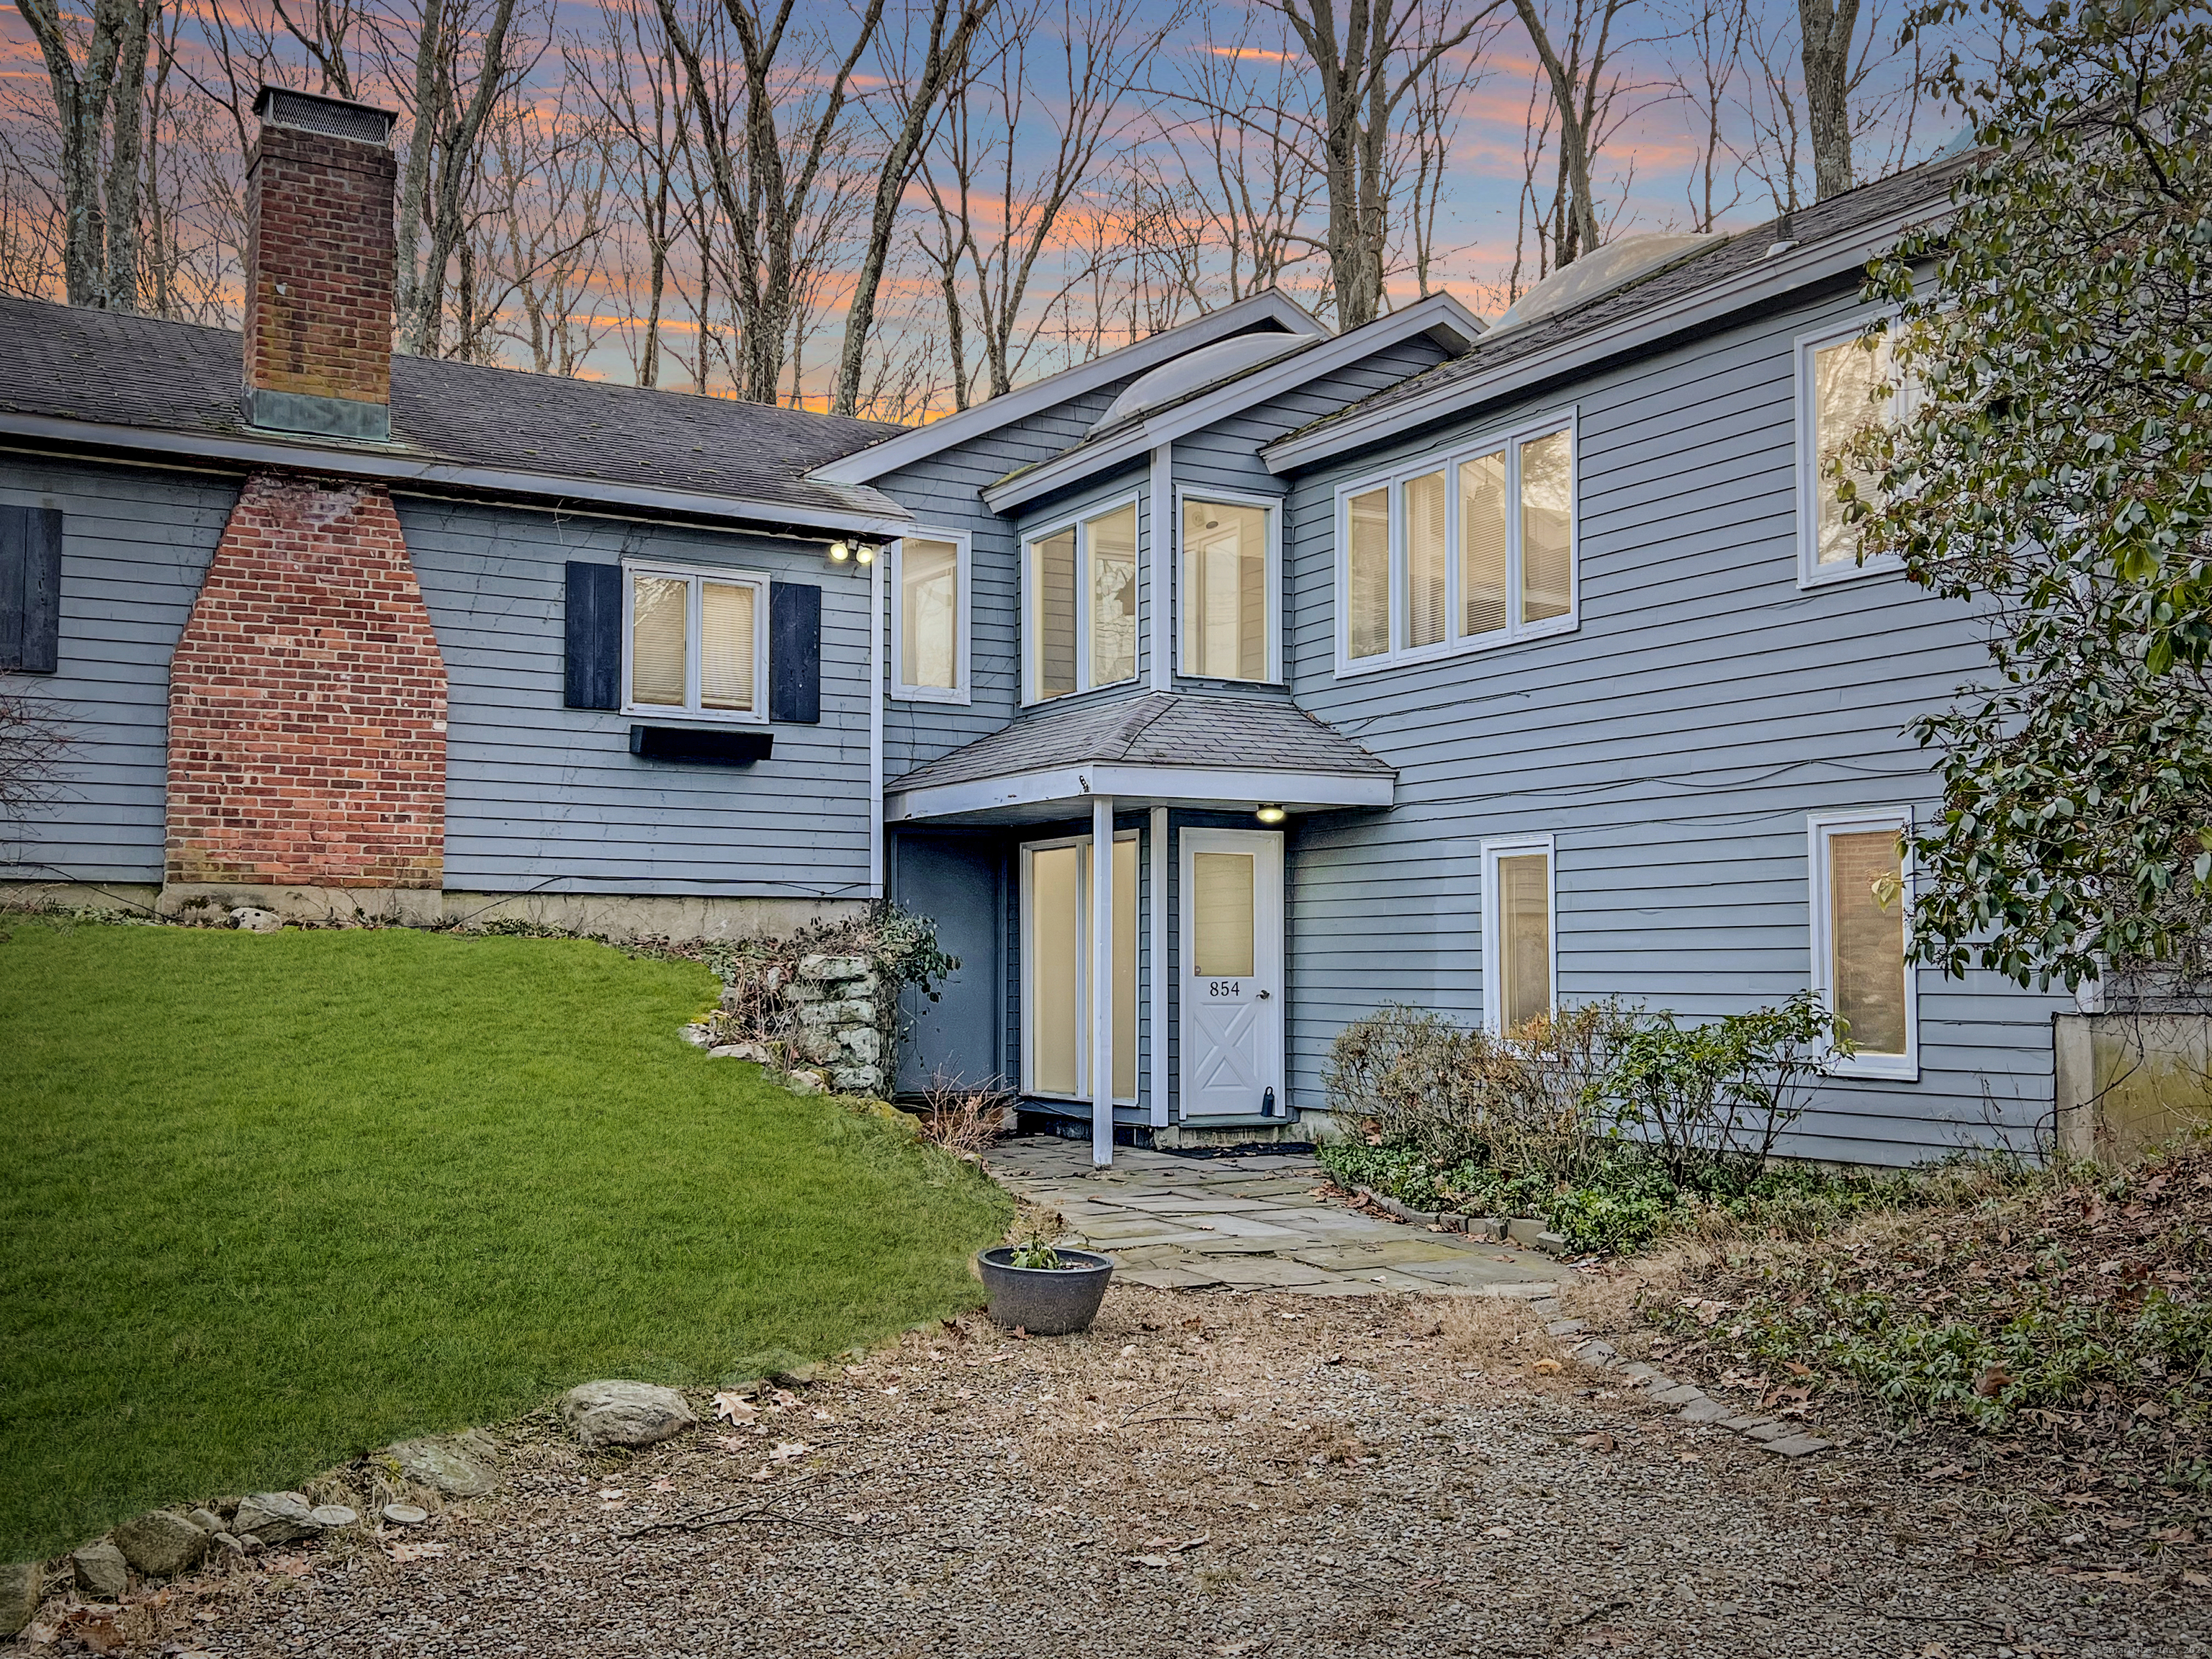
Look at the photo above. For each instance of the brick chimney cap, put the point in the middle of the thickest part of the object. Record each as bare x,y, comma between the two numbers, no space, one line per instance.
334,118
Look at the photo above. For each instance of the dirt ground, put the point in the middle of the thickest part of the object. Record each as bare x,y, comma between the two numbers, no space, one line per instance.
1206,1473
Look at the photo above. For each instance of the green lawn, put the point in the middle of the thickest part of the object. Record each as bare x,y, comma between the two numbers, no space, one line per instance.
274,1199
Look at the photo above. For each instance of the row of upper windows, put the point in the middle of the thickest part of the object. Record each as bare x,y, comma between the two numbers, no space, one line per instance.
1460,550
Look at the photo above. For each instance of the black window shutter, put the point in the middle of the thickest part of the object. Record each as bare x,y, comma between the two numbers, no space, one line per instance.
594,616
795,653
30,589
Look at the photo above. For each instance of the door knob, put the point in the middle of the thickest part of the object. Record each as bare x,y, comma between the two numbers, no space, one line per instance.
1264,995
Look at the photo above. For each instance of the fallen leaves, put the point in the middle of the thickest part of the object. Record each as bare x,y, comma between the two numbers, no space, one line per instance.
402,1552
734,1409
1601,1441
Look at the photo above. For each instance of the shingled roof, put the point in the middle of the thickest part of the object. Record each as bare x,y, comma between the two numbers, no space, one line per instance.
107,369
1157,729
1840,217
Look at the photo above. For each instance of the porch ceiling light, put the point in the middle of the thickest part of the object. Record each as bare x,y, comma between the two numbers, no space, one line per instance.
865,552
1269,812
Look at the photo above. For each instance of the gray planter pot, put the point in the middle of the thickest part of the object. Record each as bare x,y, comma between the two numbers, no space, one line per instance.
1045,1301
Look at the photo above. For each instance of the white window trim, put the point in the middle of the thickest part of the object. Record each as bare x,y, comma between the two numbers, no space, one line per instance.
690,709
963,629
1493,1001
1030,535
1515,631
1085,957
1811,573
1819,827
1273,507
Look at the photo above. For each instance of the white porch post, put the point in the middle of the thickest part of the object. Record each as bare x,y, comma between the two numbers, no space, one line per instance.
1160,955
1101,980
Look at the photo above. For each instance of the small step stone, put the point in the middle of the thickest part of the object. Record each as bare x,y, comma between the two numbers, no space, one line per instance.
1680,1394
1798,1445
1768,1432
1637,1370
405,1515
1745,1425
1705,1411
1566,1327
331,1517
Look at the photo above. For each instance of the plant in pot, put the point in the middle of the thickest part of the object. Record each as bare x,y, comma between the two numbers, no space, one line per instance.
1045,1290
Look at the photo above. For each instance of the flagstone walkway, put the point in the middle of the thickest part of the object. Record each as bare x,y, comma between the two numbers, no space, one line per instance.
1252,1222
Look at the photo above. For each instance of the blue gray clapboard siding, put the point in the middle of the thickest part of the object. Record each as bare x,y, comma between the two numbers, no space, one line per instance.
1673,745
136,544
542,797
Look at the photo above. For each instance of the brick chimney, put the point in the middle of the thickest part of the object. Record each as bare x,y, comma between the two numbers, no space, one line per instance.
319,267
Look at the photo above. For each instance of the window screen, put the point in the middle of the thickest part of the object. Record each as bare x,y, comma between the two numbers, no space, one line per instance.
1524,936
1113,540
929,614
1546,527
660,623
727,635
1367,623
1221,915
1482,543
1226,618
1866,939
1052,613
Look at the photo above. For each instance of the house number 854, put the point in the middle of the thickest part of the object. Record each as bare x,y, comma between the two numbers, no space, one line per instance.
1222,987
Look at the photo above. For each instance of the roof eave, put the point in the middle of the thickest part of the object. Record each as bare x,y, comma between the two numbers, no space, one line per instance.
866,512
1028,792
1779,274
1439,315
866,466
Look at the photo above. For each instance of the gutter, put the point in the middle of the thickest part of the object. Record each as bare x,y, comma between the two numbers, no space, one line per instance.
416,472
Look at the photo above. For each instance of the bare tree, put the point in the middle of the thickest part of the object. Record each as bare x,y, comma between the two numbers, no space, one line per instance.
542,234
944,57
1825,39
1881,92
1366,70
1434,102
452,100
99,108
1008,158
1577,65
1712,33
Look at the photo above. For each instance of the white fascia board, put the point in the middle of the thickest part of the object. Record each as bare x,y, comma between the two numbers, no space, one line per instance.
1438,313
1311,790
866,465
403,471
1777,275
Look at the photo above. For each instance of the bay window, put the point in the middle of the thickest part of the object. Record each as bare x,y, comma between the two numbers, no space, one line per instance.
1081,623
695,642
1459,552
1229,562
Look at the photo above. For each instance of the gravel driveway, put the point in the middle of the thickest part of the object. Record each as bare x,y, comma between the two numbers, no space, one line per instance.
1205,1474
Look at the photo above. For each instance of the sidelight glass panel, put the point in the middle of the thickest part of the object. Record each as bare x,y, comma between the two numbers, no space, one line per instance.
1428,558
1055,1014
727,637
1482,572
1224,590
1524,936
1113,548
1221,908
1125,970
1052,614
929,614
1367,573
1866,939
659,620
1547,542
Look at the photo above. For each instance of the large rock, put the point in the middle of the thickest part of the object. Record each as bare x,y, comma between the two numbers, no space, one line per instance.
22,1587
274,1517
160,1544
101,1572
443,1465
619,1413
832,968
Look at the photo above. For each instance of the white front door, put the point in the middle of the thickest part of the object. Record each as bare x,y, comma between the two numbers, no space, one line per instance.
1233,972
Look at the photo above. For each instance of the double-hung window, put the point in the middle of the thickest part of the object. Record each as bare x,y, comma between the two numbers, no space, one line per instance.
1459,551
1860,899
695,642
1846,382
1230,558
1080,621
929,618
1519,955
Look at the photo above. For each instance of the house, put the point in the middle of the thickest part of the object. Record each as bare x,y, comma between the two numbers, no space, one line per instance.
1208,694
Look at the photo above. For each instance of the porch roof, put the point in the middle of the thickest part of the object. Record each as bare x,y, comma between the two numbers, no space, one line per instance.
1158,748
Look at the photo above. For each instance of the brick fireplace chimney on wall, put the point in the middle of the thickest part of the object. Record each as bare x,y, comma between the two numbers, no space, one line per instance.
319,267
307,739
